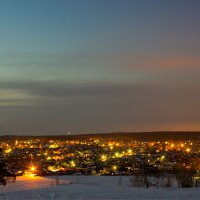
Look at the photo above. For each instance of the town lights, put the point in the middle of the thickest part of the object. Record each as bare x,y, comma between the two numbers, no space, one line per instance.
73,164
188,150
32,168
103,158
7,151
116,154
31,172
162,157
49,158
130,151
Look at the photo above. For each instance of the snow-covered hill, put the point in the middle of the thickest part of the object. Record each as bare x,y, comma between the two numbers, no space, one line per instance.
88,187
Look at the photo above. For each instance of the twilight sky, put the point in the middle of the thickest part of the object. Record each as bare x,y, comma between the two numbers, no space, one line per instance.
99,66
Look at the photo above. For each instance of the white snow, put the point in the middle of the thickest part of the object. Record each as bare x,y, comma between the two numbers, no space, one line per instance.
88,187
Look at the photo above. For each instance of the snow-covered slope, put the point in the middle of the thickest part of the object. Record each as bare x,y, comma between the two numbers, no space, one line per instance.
88,187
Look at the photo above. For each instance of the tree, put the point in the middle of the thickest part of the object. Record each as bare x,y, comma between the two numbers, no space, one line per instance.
3,172
5,175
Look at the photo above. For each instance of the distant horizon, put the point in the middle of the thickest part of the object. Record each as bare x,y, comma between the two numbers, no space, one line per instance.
98,133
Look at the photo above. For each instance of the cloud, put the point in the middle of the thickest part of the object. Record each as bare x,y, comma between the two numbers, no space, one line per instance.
61,89
158,63
97,106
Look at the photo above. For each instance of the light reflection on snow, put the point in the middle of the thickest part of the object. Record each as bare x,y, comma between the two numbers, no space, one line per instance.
31,182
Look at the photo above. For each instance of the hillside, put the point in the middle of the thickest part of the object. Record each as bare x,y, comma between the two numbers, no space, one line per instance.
142,136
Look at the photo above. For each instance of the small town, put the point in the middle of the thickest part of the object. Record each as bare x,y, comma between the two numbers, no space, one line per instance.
93,156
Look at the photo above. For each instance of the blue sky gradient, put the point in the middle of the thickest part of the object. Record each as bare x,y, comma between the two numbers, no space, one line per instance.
99,66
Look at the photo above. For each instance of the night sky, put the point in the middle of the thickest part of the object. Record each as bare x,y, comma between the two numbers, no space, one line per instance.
99,66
